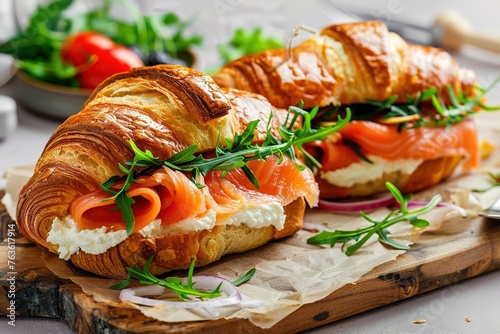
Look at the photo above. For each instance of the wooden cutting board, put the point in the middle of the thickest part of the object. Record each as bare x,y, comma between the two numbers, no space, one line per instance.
464,249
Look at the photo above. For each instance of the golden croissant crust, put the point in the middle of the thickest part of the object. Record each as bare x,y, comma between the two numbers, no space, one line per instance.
163,109
345,64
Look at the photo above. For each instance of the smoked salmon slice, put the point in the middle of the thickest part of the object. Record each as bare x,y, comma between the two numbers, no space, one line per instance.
385,141
93,210
281,180
172,197
180,198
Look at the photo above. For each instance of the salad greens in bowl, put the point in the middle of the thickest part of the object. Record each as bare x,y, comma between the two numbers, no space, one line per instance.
61,56
65,57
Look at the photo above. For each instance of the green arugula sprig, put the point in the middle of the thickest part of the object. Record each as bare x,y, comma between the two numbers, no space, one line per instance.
308,132
460,108
494,180
235,154
389,108
246,42
175,284
378,227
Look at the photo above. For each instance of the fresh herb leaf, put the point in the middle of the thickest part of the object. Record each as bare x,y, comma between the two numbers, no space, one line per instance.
308,133
398,196
235,155
245,278
124,204
185,155
123,284
357,149
383,237
414,113
380,228
246,42
175,284
120,197
144,159
494,179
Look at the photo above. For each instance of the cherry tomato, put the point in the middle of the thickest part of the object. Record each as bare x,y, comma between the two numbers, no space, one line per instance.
79,48
97,57
109,62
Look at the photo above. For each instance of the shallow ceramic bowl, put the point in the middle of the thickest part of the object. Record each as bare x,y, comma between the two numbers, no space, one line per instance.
60,102
48,99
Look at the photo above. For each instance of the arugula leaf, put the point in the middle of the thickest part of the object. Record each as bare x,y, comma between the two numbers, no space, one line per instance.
246,42
308,133
383,237
357,149
185,155
124,204
494,179
143,158
123,284
245,278
380,228
412,113
54,69
175,284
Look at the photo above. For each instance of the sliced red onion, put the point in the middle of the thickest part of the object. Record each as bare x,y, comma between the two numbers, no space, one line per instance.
231,295
380,201
460,210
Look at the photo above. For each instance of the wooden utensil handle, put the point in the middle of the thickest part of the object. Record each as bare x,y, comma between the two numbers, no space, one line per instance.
483,41
457,32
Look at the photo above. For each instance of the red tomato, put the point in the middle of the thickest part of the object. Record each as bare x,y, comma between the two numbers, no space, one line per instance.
78,48
109,62
98,57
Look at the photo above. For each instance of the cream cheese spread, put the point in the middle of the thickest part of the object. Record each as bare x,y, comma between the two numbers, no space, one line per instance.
96,241
364,172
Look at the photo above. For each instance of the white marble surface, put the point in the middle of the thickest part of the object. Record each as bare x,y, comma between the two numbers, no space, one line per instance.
444,309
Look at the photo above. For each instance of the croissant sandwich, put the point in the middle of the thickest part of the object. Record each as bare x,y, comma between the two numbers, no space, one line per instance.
410,106
85,203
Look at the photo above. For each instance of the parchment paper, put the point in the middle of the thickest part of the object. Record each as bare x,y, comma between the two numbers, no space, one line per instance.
291,273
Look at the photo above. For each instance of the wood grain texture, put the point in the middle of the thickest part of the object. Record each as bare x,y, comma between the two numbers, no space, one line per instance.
462,249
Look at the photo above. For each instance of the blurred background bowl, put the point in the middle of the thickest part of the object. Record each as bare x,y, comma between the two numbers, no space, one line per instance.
7,68
47,99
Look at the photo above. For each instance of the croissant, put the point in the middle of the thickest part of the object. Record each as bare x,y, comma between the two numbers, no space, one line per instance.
163,109
348,65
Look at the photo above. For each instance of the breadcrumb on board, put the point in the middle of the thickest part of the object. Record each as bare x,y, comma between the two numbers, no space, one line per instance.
486,148
419,321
